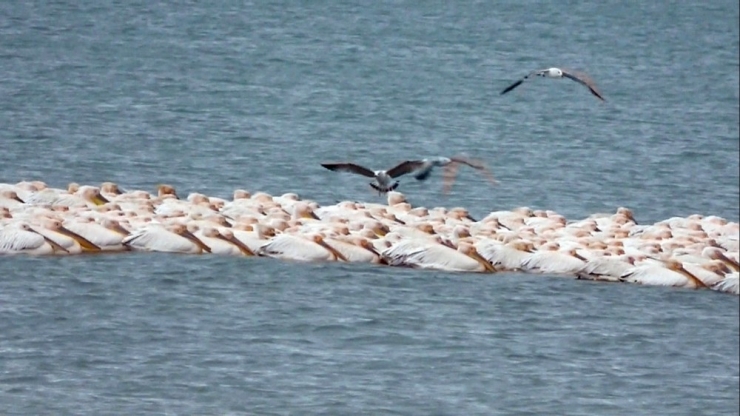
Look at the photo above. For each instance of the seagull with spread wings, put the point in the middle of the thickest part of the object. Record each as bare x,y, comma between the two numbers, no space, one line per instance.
558,73
382,177
450,165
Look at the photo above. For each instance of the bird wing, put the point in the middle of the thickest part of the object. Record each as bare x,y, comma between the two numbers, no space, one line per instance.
520,81
583,80
448,177
475,164
404,168
423,174
349,167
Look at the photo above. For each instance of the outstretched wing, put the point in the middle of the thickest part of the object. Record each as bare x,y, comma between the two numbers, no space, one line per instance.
405,167
423,174
583,80
350,168
475,164
518,83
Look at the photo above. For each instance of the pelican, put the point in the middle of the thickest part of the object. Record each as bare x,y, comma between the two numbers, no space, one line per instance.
309,248
557,73
72,242
221,241
10,199
730,284
382,177
509,256
174,238
20,238
108,236
430,254
670,273
450,165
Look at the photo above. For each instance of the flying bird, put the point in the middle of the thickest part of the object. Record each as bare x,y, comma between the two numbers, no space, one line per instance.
382,177
557,73
450,165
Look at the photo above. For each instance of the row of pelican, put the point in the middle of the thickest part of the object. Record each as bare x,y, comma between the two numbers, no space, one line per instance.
693,252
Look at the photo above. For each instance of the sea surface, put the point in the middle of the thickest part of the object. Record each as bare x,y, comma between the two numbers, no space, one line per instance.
215,96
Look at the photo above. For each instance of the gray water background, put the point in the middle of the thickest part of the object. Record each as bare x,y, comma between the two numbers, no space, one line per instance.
215,96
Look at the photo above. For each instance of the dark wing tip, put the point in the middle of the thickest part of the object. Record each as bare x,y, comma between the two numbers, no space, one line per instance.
512,86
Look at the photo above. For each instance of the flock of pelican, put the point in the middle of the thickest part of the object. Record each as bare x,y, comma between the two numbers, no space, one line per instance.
698,252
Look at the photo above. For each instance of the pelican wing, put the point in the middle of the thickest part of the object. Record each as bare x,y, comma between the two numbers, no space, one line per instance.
405,167
350,168
581,79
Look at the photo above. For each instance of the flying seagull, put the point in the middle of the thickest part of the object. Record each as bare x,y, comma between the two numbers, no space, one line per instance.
450,165
382,177
557,73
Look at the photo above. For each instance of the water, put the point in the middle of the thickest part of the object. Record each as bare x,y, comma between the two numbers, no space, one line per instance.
214,96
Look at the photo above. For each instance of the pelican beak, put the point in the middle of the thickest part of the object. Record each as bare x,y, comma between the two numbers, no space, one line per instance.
196,241
310,215
331,249
729,262
117,228
579,257
54,245
82,241
98,199
117,191
233,240
485,263
18,199
697,282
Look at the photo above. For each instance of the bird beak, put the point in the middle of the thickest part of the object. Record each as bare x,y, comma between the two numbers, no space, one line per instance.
99,199
337,254
18,199
196,241
697,282
233,240
82,241
54,245
117,228
310,215
486,264
579,257
728,261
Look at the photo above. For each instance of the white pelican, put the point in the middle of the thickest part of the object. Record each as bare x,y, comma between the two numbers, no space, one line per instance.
382,177
10,199
509,256
72,242
671,273
557,73
108,237
426,254
606,269
221,241
552,260
173,238
309,248
20,238
355,249
730,284
84,196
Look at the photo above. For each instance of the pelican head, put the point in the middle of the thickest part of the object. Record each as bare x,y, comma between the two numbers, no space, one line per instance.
91,194
11,195
319,239
677,266
183,231
110,188
469,250
164,189
241,194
